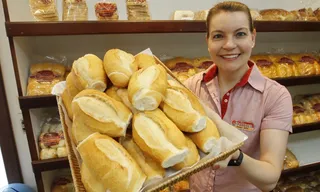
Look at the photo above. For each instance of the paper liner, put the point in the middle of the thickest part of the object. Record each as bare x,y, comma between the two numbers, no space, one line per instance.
231,140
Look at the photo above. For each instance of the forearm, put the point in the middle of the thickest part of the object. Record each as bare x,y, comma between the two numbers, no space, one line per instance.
260,173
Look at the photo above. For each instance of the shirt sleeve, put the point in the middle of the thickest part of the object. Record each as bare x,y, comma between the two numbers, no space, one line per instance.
278,111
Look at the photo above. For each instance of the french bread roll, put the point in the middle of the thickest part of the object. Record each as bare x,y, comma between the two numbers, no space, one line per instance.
101,113
121,94
149,166
88,73
192,157
206,139
143,60
112,92
184,109
79,131
119,66
147,87
90,182
111,164
158,136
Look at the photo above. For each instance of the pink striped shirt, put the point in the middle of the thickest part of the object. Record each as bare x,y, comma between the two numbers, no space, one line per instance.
254,104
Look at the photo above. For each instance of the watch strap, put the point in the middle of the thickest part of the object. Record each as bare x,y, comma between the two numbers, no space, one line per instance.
236,162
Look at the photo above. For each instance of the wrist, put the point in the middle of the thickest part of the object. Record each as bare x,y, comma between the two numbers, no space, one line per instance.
236,158
236,155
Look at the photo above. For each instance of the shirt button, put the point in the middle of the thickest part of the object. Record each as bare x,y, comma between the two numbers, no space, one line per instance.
228,94
226,100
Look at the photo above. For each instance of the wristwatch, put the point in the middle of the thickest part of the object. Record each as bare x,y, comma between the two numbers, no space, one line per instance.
238,161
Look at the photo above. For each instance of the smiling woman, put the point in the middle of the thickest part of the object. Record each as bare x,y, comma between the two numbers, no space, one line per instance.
233,81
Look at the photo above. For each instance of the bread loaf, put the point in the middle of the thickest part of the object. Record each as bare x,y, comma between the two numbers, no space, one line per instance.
207,138
88,73
150,167
121,94
159,137
184,109
111,164
147,87
192,157
101,113
79,131
119,66
90,182
144,60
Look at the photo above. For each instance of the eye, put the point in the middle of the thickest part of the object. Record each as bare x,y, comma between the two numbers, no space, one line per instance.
241,34
217,36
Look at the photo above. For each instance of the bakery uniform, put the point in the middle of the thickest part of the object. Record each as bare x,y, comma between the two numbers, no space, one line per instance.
254,104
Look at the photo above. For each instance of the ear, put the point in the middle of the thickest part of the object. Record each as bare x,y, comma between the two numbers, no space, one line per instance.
253,36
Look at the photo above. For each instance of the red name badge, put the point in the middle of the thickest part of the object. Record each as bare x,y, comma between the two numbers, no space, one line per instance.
246,126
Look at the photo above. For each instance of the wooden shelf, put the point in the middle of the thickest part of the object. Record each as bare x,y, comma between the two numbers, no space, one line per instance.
306,127
301,169
50,164
292,81
30,102
156,26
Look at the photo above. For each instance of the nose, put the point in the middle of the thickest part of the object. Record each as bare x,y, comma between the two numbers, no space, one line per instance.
229,44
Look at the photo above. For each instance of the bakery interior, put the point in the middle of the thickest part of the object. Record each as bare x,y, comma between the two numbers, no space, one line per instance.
54,35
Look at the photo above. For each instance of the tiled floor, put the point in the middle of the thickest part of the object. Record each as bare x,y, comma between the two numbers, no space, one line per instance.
3,176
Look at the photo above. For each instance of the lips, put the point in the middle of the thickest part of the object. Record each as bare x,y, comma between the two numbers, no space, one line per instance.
230,56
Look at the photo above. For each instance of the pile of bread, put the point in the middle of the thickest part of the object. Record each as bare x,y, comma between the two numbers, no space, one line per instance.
306,109
131,121
290,160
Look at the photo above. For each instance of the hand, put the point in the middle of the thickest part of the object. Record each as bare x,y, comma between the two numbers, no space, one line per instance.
223,164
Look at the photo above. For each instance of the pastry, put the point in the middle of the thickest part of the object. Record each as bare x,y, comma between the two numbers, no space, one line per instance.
184,109
75,10
290,161
62,184
158,136
255,15
99,112
201,15
317,13
48,153
202,63
111,164
277,15
285,66
119,66
106,11
265,65
147,87
305,14
306,64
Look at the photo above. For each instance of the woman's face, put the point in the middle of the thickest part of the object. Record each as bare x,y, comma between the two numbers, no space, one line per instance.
230,41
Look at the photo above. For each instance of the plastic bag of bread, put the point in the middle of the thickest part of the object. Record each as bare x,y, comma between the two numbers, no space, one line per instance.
290,160
305,14
75,10
182,15
265,65
44,10
181,67
277,15
202,63
62,184
44,74
317,13
285,66
303,116
138,10
201,15
306,64
105,10
255,14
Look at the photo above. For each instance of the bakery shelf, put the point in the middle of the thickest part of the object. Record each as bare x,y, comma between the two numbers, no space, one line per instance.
301,169
50,164
156,26
306,127
303,80
44,101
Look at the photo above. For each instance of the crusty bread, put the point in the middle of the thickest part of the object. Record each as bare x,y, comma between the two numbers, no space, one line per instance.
157,136
89,73
112,92
90,182
277,15
184,109
207,138
111,164
119,66
79,131
121,94
144,60
147,87
101,113
150,167
192,157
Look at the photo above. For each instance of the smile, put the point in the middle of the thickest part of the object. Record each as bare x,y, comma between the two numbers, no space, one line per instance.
230,57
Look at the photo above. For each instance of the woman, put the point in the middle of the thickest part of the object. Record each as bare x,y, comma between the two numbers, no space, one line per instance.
242,97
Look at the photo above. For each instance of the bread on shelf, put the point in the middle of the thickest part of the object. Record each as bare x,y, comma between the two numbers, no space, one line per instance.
44,10
290,160
138,10
183,15
306,64
285,66
265,65
106,11
277,15
75,10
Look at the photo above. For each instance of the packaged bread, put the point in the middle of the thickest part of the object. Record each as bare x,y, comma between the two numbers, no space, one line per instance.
317,13
207,138
43,77
306,64
192,158
106,11
101,113
149,166
75,10
305,14
119,66
182,15
285,66
202,63
157,136
121,94
62,184
144,60
201,15
44,10
290,160
138,10
302,116
277,15
265,65
88,73
183,108
48,153
147,87
110,164
181,67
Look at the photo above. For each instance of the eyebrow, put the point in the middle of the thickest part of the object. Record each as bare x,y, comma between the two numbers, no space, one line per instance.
219,31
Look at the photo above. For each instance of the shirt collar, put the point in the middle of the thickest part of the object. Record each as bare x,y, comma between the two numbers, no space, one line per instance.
252,76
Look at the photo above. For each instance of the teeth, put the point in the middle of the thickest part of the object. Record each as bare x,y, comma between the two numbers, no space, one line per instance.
230,56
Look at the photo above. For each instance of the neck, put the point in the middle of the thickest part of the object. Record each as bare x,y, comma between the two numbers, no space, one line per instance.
228,80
